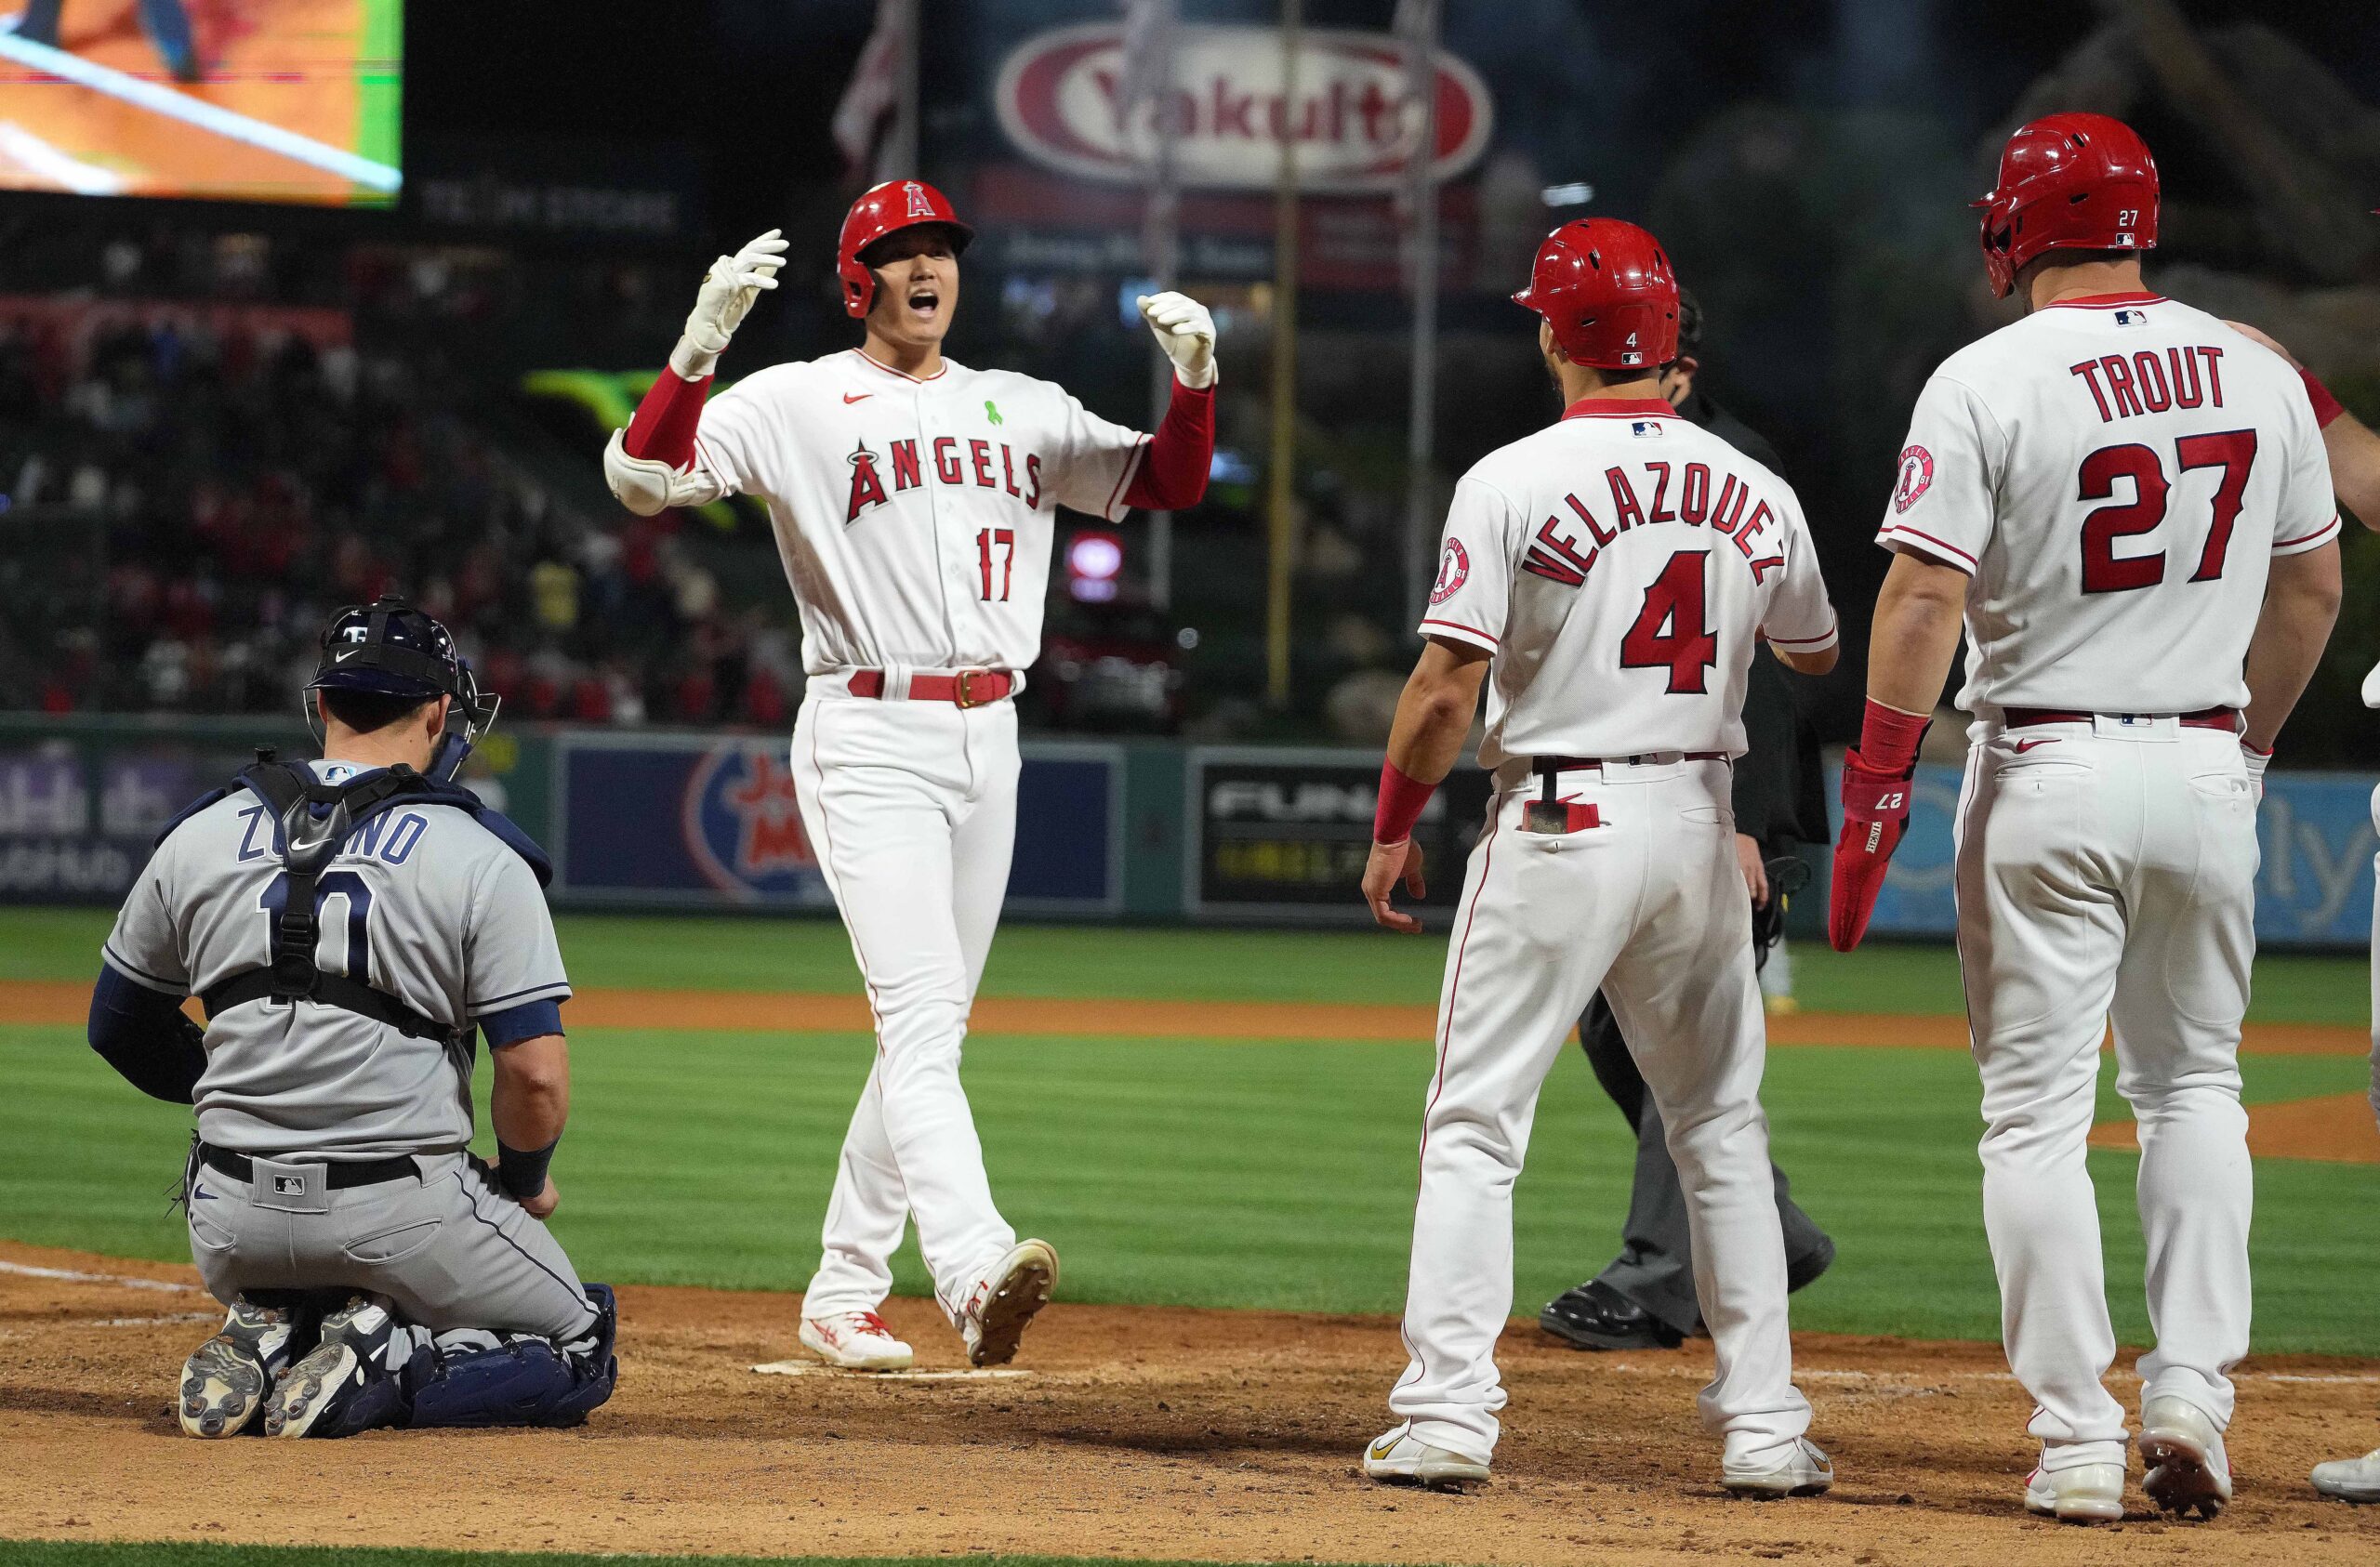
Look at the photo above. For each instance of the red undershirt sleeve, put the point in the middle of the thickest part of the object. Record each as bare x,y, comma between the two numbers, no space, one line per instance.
664,422
1174,470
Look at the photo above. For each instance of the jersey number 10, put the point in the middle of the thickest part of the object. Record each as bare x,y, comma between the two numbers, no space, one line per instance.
356,962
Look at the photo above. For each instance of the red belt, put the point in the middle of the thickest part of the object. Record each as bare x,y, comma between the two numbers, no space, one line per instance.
2224,718
969,688
1572,764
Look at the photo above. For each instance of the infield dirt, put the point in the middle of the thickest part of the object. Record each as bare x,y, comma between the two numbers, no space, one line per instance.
1134,1433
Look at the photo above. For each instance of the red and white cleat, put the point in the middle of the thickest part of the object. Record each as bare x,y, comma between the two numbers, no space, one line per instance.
855,1341
1006,1299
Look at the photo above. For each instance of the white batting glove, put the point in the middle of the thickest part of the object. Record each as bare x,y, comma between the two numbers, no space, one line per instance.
1186,333
2257,761
729,288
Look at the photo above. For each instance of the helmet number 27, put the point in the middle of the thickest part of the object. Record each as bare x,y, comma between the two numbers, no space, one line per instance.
1672,630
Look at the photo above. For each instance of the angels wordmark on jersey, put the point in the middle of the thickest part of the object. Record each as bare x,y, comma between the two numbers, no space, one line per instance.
1622,565
915,515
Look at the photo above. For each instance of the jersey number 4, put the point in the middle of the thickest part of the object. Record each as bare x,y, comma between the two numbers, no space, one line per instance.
2233,451
1673,631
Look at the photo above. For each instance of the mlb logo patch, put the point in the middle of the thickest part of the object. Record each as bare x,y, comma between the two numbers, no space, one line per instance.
289,1186
2132,318
1643,429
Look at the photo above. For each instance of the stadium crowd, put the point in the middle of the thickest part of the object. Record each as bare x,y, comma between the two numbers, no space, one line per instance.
197,463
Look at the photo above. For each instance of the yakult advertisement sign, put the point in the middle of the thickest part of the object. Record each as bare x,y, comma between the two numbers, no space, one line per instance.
1061,101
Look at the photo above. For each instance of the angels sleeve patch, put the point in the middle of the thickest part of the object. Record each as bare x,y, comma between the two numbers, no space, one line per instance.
1916,473
1454,569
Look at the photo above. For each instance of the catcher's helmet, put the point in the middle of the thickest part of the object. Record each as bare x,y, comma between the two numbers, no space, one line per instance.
2068,182
1607,290
891,207
391,648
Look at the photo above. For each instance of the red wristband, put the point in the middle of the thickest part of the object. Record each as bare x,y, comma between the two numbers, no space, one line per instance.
1401,800
1888,737
2326,407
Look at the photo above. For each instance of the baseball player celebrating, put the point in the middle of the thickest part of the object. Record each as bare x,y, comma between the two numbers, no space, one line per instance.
2129,501
2354,452
913,500
348,923
1613,573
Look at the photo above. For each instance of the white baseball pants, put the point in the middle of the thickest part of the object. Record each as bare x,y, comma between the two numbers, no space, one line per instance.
2107,869
911,806
1649,907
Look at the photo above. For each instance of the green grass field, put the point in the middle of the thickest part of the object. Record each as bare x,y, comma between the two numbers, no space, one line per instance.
1200,1172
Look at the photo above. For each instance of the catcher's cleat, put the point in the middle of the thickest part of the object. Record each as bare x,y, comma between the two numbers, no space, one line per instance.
1007,1299
344,1383
226,1379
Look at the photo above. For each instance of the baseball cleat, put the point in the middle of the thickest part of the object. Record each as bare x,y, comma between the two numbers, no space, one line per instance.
1005,1301
325,1392
2182,1450
1803,1471
2350,1479
225,1380
2082,1494
855,1341
1401,1459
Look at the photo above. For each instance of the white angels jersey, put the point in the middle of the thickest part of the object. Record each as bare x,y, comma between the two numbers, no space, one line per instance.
1623,566
2115,473
914,516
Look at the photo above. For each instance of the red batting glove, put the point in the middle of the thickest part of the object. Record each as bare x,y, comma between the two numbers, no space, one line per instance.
1875,814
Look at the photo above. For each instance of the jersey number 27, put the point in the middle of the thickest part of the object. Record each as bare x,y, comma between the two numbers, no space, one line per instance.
2233,451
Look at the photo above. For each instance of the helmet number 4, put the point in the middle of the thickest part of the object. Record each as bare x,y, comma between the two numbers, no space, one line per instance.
1673,631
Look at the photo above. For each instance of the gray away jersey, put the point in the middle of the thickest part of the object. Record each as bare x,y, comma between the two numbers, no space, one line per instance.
422,902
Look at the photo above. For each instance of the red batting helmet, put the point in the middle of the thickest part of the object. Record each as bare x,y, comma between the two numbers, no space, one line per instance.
1607,290
893,206
2068,183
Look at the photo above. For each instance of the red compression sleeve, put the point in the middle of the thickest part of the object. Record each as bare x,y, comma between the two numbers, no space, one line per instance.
1888,737
1401,800
1174,469
664,425
2326,407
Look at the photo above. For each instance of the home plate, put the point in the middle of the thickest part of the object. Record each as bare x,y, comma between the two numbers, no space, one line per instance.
818,1368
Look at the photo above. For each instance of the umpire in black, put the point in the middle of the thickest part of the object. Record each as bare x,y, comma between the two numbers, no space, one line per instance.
1644,1299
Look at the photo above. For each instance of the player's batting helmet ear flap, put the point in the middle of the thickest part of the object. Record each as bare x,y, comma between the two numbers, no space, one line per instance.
888,208
2068,182
1607,290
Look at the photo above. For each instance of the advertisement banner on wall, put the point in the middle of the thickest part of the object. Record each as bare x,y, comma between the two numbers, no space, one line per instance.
2314,888
694,819
1279,834
76,826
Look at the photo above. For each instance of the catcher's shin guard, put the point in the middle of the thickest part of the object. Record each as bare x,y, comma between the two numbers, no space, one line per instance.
516,1379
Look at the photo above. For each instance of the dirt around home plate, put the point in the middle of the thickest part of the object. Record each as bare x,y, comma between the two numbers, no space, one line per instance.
1136,1432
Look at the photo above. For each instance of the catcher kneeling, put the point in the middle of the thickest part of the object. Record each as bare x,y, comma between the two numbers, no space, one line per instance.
348,923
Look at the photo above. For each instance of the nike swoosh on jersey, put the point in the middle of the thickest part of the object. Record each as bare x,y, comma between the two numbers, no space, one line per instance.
849,399
2025,746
